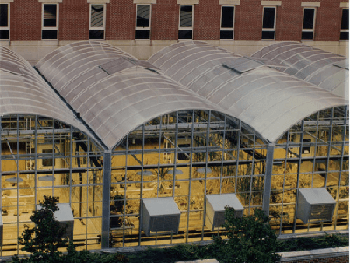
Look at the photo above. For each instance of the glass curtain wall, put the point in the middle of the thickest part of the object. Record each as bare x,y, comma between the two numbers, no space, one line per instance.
185,155
313,154
43,156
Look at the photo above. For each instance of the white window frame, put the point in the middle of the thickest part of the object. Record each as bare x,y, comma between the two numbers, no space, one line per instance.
274,24
8,20
187,27
42,19
149,24
233,25
104,19
314,23
343,30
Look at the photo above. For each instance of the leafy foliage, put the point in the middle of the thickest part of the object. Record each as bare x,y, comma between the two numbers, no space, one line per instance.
250,239
44,239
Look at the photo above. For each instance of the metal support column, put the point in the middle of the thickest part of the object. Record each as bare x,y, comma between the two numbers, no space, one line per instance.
267,182
106,197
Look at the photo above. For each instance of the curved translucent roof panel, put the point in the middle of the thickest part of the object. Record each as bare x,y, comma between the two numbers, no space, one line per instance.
324,69
113,92
266,99
23,91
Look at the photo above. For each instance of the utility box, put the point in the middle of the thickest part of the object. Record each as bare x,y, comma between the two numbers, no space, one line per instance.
215,209
160,216
64,216
315,204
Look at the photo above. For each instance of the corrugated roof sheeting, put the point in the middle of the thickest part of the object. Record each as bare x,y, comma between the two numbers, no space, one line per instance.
23,91
266,99
324,69
114,92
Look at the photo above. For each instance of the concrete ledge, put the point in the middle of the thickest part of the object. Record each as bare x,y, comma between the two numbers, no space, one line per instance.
316,253
199,261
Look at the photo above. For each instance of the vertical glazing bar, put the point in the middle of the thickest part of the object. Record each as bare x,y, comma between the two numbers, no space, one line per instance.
1,228
53,155
223,152
125,180
36,161
298,176
141,189
17,162
267,181
70,165
106,197
238,147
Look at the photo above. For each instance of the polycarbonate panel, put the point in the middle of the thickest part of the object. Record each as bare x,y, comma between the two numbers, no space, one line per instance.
264,98
114,92
24,91
326,70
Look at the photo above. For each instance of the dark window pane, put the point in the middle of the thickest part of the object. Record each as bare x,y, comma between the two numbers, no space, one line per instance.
49,34
345,19
344,35
269,17
4,15
4,34
227,16
96,15
142,34
268,35
185,16
49,161
226,34
142,16
96,34
185,34
308,19
307,35
50,14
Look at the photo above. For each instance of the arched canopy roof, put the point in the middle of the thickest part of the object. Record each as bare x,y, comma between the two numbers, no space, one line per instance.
113,92
266,99
23,91
324,69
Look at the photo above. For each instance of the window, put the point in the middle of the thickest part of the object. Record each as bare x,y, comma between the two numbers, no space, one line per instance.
344,30
308,23
49,21
143,13
97,21
186,20
227,22
4,21
269,23
49,161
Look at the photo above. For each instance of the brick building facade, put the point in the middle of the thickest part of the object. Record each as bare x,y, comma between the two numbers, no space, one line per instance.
25,24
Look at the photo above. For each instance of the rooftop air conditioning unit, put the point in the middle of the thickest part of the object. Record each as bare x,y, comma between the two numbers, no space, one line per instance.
215,209
315,204
160,216
64,216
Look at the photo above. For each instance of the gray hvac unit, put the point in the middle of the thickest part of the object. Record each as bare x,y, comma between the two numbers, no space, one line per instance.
160,216
315,204
215,209
64,216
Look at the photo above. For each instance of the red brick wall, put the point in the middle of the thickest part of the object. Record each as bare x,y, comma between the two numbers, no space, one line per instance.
205,27
25,20
165,19
250,20
121,20
328,21
73,20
